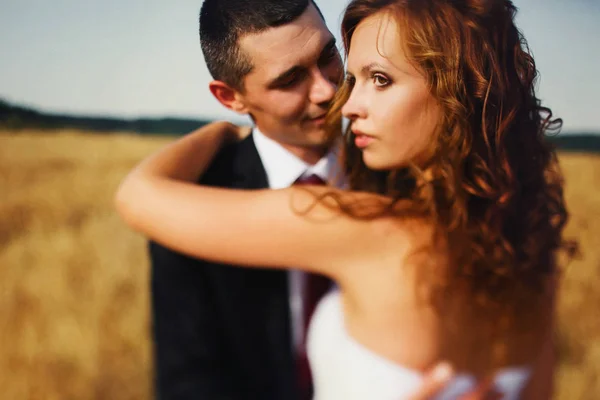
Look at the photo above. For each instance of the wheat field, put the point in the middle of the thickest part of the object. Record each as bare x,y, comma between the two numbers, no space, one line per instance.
74,317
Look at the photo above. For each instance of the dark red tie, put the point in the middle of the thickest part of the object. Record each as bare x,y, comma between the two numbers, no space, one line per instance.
315,286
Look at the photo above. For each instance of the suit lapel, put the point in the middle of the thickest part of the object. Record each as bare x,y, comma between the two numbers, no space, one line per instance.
248,170
266,291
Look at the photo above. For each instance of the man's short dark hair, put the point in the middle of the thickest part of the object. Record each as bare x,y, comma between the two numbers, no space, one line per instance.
223,22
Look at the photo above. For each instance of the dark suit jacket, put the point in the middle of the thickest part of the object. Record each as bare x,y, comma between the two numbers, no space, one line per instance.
221,332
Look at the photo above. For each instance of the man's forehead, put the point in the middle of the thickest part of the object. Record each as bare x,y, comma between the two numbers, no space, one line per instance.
287,45
288,53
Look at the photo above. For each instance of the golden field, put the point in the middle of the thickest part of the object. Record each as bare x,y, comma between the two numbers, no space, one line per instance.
74,318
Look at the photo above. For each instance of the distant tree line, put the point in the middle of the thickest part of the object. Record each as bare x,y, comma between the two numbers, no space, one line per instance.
16,117
577,141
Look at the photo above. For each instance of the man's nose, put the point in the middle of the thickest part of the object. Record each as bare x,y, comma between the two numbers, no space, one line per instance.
322,89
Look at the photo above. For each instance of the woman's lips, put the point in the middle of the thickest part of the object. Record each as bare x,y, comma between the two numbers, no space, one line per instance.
361,140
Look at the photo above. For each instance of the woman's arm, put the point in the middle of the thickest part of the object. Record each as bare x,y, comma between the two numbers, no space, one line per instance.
188,157
254,228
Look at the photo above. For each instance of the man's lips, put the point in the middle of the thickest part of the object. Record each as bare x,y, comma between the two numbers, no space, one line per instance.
318,120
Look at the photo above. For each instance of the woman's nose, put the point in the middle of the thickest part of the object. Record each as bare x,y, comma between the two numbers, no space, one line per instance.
353,108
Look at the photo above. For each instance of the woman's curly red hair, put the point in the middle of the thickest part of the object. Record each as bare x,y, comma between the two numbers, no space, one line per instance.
491,185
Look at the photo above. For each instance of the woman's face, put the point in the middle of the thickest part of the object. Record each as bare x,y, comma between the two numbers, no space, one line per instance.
392,113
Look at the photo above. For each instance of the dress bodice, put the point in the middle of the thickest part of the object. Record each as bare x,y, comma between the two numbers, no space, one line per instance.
345,369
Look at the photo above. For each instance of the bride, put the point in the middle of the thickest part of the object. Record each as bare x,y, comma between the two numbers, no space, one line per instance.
444,248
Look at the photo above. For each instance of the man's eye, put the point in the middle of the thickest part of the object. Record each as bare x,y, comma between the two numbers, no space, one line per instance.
289,82
350,80
329,55
333,53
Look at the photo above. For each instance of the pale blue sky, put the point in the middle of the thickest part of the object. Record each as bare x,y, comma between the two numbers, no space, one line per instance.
142,57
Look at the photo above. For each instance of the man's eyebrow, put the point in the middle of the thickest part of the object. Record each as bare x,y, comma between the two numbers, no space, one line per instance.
285,75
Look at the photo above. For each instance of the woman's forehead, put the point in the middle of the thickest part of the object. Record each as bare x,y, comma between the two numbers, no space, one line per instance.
378,38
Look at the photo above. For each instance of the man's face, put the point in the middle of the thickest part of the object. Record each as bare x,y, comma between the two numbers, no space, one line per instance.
296,69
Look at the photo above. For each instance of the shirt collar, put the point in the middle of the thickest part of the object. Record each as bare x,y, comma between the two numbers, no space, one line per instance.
283,168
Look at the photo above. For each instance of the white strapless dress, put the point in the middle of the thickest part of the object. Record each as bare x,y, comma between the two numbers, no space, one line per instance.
344,369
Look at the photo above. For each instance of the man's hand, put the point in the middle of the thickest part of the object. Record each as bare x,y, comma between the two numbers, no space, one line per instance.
436,380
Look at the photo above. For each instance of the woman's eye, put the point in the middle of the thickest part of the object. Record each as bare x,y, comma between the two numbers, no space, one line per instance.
380,80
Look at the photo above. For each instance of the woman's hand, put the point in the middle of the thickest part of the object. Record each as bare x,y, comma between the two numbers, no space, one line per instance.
241,132
230,132
187,158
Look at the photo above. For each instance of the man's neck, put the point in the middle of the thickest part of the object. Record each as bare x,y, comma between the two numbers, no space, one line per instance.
310,155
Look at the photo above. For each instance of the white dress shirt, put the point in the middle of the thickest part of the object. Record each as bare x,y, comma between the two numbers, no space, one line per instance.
283,169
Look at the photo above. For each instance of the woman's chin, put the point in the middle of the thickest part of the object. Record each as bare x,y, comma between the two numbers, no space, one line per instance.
379,164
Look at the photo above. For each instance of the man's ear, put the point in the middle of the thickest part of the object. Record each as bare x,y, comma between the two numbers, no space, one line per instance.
229,97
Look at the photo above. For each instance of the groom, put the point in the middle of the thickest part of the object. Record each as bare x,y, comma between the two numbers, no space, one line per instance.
223,332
